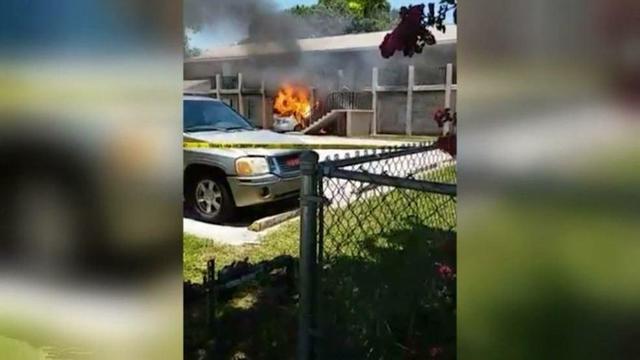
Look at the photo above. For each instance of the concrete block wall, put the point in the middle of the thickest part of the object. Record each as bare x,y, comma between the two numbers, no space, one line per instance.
424,105
392,112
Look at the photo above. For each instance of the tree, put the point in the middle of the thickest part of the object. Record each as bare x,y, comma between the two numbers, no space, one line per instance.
320,20
445,6
351,16
188,50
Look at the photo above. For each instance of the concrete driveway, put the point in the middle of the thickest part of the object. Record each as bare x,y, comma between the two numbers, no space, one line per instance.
237,232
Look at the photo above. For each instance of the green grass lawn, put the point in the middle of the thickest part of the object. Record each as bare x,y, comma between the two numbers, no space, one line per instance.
364,218
196,251
346,228
259,319
376,240
378,212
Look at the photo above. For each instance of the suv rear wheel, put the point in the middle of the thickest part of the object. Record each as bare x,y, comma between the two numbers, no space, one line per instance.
209,198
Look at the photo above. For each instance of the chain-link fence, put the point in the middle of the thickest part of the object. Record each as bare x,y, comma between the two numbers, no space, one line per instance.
377,255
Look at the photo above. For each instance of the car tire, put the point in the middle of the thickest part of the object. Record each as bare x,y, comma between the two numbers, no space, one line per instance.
298,127
209,198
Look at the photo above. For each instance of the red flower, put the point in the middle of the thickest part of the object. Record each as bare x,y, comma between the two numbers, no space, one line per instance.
442,115
435,352
445,272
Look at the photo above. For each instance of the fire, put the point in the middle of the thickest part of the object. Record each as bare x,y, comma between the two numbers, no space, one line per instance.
293,101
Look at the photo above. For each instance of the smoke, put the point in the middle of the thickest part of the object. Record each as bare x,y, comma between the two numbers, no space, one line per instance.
266,24
260,19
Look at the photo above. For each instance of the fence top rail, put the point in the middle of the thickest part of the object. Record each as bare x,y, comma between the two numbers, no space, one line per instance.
384,154
397,182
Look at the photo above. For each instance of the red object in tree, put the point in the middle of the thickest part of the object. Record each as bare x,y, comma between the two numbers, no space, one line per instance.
411,34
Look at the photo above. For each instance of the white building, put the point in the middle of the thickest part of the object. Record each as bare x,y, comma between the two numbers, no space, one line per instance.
399,94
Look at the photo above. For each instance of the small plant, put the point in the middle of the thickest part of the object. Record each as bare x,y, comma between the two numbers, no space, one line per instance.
447,122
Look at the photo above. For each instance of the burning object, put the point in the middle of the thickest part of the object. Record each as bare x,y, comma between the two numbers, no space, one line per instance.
285,124
292,108
293,102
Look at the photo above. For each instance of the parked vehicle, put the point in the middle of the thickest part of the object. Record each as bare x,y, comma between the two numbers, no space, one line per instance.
286,124
217,181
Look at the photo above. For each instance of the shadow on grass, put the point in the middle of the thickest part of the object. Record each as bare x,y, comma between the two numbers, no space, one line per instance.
394,300
256,321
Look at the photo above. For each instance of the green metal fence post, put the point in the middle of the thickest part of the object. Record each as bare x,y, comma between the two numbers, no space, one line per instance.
210,283
308,255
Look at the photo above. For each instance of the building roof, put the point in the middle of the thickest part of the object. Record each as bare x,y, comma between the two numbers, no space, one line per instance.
351,42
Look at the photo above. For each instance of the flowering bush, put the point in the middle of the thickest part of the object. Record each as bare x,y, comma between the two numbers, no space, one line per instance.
412,33
448,123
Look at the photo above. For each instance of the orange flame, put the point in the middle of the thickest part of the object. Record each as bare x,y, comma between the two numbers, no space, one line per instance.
293,101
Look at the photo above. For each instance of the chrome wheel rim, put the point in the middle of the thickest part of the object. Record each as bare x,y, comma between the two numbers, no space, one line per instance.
208,197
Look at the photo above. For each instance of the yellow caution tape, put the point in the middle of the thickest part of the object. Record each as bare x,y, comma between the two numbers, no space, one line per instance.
292,146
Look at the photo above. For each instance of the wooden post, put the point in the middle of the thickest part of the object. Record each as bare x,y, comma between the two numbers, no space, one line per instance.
264,105
374,101
409,117
447,86
218,86
240,102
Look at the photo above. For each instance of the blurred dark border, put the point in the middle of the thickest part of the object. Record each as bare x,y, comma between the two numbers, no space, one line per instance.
548,195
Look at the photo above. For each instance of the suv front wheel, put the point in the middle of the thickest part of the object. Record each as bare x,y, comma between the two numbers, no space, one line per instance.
209,199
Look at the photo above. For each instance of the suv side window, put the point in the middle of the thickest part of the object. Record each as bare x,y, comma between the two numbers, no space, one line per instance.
199,113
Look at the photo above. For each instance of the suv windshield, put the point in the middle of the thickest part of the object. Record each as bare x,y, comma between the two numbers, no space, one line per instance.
203,115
